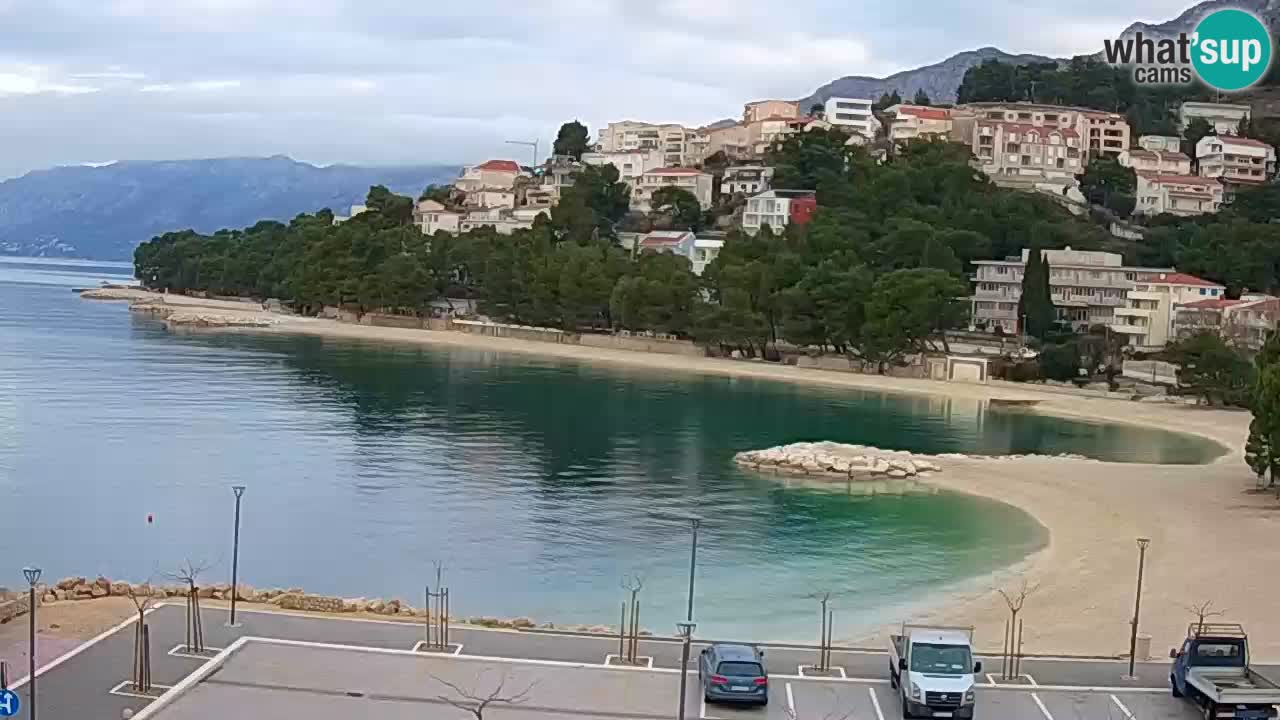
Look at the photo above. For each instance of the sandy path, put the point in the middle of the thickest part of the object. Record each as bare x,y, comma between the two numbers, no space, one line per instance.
1212,539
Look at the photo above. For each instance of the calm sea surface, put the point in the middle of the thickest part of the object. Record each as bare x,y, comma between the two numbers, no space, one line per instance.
538,483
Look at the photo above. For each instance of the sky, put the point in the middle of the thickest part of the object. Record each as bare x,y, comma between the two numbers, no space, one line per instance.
448,81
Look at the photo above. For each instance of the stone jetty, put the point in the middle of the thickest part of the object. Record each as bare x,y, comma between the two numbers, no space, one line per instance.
837,460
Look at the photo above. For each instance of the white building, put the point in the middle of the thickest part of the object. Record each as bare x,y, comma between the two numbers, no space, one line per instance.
853,115
704,251
1147,319
1224,118
354,211
490,198
1160,143
909,122
431,216
491,175
695,181
504,220
778,209
1182,195
1165,162
631,164
1236,160
746,180
698,251
1086,286
672,140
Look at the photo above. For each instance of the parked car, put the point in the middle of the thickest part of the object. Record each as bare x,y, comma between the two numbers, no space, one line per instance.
733,673
1212,670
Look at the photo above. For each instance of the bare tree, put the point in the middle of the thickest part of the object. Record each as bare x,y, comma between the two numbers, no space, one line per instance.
477,701
190,574
1015,599
1203,611
140,596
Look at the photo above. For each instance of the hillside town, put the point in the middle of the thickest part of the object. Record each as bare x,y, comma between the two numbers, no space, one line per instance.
1037,148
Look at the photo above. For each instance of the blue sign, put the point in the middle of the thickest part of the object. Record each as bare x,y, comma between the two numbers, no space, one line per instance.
9,703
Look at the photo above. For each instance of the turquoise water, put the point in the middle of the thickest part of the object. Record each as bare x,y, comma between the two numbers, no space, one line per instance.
538,483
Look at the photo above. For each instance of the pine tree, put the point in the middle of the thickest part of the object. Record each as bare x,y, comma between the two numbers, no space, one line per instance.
1036,304
1257,450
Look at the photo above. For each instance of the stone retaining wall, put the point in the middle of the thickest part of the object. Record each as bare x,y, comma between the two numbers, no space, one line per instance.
19,606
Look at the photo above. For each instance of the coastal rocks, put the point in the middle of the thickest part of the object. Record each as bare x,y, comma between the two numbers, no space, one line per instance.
837,460
174,315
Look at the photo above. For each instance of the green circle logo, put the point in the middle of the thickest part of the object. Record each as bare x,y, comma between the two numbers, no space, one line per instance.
1232,49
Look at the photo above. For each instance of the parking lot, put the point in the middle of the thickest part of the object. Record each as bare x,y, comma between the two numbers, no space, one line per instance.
289,665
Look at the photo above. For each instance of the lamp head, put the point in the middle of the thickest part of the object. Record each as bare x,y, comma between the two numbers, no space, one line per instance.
238,490
686,628
1144,542
32,574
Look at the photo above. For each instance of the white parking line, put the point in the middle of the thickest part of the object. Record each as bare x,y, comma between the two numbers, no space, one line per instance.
123,690
800,670
791,701
875,703
1030,679
41,670
181,651
1123,709
609,659
421,647
1043,709
702,710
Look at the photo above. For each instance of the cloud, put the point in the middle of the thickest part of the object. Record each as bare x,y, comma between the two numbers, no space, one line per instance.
385,81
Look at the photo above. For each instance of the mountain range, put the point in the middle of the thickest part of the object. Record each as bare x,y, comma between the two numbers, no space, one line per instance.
103,212
941,80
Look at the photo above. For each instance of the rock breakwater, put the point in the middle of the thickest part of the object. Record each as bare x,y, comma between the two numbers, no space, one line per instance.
838,460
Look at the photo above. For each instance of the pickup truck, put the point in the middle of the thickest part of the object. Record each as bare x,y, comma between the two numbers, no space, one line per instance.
1212,670
933,669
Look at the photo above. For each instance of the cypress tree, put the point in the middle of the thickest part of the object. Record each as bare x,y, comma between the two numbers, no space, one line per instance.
1035,307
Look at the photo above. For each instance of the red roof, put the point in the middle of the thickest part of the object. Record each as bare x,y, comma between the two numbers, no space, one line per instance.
925,113
1178,179
1211,304
1026,127
500,165
674,171
1250,142
1177,278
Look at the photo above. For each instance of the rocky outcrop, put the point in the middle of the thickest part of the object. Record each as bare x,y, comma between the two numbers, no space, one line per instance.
838,460
201,317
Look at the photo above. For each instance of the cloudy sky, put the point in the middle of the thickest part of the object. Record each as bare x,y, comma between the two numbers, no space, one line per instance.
409,81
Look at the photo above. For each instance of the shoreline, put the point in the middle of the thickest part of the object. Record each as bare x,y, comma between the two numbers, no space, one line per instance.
1208,532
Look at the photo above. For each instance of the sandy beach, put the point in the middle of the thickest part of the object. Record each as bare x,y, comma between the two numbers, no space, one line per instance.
1212,536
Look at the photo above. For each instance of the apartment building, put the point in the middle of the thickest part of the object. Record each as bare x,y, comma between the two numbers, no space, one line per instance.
630,164
431,216
733,140
490,175
670,139
504,221
1106,134
548,182
1087,287
699,251
1245,322
1235,160
1165,162
746,180
695,181
852,115
1182,195
909,122
778,209
1224,118
1147,318
1019,154
761,109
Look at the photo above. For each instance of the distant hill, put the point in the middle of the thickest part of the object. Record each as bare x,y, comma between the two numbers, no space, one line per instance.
102,213
1268,10
939,80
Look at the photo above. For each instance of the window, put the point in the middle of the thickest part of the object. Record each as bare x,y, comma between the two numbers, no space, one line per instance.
1204,291
1002,270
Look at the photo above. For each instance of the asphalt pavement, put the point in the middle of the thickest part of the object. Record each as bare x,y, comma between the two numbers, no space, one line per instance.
79,685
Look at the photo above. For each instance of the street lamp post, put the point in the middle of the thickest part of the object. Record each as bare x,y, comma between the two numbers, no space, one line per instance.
693,564
235,555
686,632
1137,604
32,574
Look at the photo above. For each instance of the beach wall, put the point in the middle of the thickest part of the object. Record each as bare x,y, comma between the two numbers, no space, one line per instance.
20,605
641,343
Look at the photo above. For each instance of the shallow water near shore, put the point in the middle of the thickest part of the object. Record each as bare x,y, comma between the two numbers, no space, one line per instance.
538,483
